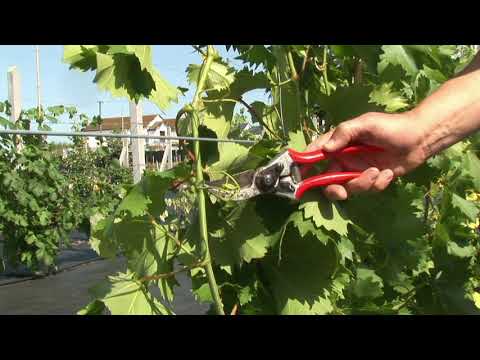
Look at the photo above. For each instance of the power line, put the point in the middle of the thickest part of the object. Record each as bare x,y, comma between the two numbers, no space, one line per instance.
109,135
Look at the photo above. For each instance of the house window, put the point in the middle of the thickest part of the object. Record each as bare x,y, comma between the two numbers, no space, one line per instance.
162,133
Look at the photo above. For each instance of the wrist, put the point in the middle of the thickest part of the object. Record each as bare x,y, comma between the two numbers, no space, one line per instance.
437,131
420,133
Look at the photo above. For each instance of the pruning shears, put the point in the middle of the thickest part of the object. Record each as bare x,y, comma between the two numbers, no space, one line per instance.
284,175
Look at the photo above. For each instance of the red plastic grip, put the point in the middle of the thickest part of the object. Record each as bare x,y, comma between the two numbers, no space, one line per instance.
324,180
312,157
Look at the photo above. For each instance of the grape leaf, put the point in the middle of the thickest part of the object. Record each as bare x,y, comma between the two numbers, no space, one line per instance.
326,214
135,202
297,141
307,226
101,244
357,97
398,55
250,243
368,284
476,299
368,53
82,57
304,273
255,55
123,296
467,207
219,77
93,308
472,166
232,157
384,95
124,71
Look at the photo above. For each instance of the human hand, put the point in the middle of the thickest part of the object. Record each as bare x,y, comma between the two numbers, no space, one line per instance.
400,135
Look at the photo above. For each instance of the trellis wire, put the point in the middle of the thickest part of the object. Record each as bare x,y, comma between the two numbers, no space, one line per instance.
109,135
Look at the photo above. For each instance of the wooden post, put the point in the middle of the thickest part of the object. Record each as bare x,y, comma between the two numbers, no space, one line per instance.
138,145
14,98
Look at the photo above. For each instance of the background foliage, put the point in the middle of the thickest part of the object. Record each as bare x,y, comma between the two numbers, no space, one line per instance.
49,190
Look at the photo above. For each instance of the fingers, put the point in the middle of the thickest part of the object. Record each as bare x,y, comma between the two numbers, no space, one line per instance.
364,182
371,180
348,132
383,180
335,192
319,142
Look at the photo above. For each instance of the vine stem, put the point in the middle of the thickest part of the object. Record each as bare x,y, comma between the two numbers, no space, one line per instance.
295,79
324,65
292,66
199,178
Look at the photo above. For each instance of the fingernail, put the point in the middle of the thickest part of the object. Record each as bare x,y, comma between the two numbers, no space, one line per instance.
374,175
389,175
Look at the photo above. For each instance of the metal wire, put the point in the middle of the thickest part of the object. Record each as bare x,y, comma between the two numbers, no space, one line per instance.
109,135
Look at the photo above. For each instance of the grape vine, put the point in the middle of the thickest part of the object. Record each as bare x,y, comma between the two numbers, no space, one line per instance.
413,249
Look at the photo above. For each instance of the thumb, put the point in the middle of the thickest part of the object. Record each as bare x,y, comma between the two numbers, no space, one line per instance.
346,133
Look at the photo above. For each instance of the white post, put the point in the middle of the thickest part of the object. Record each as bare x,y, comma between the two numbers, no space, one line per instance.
138,145
169,154
14,92
14,97
165,162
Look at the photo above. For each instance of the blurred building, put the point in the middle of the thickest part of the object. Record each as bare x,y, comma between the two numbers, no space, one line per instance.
153,125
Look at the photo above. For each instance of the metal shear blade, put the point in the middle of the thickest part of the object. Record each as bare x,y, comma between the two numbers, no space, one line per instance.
245,181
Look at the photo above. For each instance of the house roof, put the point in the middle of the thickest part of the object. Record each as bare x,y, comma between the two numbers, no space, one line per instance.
167,122
115,123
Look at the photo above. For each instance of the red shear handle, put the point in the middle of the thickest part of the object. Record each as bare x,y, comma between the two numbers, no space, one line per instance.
324,180
319,155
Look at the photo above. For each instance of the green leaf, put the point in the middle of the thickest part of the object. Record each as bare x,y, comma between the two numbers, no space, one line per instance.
124,71
123,296
398,55
302,278
326,214
368,284
297,140
136,203
459,251
219,77
369,53
307,226
384,95
250,243
93,308
255,55
232,157
434,74
357,97
465,206
472,166
101,239
82,57
346,249
122,76
245,295
202,293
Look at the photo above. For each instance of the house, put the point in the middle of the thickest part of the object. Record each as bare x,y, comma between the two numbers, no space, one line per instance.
153,125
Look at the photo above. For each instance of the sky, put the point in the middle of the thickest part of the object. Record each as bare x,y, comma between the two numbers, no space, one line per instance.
61,86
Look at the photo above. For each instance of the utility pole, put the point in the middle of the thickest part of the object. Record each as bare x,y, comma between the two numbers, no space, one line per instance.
100,102
138,145
37,64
